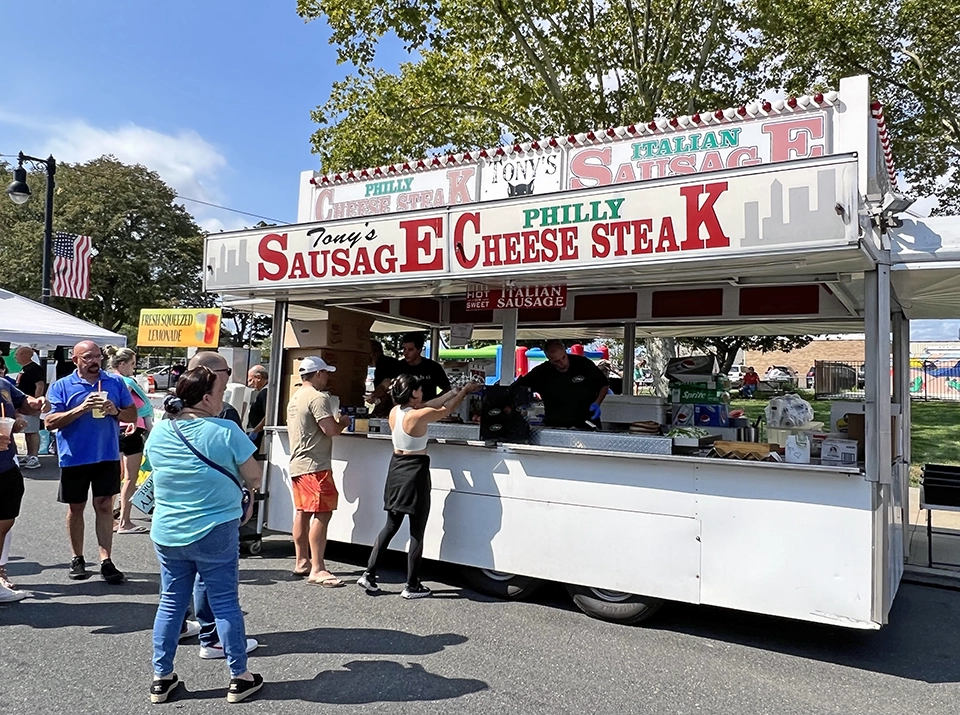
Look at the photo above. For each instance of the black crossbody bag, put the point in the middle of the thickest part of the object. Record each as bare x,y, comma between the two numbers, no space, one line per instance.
246,498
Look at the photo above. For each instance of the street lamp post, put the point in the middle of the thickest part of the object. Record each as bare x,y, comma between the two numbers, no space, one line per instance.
19,193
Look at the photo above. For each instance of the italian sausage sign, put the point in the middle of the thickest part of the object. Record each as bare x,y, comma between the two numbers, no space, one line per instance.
726,213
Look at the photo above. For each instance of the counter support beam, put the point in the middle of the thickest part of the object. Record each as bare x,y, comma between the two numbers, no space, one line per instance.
508,355
629,356
275,369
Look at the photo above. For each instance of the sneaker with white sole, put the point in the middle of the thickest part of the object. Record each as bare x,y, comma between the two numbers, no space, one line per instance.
160,689
418,591
190,629
368,582
216,650
33,462
9,595
241,689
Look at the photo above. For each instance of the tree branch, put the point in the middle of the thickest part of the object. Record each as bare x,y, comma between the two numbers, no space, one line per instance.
548,75
513,122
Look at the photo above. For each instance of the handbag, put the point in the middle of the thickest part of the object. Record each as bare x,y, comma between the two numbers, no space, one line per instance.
143,497
246,501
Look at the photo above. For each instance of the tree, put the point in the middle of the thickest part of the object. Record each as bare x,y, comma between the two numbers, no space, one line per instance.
520,69
726,347
147,249
910,49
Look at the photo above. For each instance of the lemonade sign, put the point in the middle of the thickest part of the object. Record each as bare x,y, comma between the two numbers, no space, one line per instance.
179,328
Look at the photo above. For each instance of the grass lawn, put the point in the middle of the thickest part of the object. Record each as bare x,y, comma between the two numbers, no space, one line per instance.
935,432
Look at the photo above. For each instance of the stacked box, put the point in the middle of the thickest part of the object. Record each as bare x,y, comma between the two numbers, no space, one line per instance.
699,400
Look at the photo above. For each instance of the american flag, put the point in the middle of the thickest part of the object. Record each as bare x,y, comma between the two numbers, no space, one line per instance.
71,265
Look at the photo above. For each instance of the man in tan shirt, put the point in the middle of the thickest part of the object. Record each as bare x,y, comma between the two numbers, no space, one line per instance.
312,423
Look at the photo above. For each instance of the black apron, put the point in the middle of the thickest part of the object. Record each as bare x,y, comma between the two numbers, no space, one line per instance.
407,490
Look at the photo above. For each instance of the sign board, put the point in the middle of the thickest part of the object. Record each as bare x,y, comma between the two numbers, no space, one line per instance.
431,189
548,296
460,334
774,209
179,328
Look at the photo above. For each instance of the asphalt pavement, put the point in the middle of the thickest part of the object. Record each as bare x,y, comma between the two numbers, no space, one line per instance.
84,647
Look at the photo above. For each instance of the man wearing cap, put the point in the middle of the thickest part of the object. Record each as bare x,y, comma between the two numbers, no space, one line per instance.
312,423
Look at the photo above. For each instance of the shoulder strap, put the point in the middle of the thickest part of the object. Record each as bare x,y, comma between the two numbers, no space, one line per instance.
206,460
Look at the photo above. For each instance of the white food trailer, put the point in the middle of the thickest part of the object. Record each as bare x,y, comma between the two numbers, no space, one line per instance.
770,218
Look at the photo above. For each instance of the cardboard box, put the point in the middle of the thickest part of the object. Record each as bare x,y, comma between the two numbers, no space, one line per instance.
342,330
702,393
683,415
711,415
839,452
856,431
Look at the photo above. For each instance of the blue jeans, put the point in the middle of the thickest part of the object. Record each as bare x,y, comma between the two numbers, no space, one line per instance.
748,390
216,559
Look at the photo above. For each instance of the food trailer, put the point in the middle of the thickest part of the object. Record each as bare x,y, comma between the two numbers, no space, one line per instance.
769,218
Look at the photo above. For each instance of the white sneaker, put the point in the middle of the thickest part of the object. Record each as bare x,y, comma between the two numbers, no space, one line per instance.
192,629
8,595
33,462
216,650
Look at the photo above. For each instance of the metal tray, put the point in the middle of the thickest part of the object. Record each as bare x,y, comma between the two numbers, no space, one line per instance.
626,442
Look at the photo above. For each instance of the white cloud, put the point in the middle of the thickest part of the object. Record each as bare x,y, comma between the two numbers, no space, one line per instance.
229,222
932,330
184,160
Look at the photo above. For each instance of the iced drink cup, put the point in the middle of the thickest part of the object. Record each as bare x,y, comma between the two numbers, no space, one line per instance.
103,395
6,426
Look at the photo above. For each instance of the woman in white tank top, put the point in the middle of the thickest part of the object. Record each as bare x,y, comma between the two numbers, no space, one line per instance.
407,490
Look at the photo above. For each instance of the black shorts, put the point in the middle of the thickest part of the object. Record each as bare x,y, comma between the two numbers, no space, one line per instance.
11,494
76,482
131,444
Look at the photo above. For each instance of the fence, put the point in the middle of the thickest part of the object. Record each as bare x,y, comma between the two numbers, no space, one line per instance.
929,380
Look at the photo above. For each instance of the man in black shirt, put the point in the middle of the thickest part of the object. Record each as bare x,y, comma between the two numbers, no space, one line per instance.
435,380
257,378
32,383
385,369
571,387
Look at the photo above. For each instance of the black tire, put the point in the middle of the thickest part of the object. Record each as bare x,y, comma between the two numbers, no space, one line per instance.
254,548
614,606
501,585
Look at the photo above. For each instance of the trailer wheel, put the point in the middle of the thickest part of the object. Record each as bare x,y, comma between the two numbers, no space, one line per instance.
500,584
614,606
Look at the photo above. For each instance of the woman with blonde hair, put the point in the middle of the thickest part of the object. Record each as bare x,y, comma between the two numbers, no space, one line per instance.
123,361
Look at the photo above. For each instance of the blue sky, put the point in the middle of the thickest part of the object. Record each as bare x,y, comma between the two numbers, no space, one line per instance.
214,95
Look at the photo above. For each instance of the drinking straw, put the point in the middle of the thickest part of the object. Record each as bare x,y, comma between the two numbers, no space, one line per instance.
3,412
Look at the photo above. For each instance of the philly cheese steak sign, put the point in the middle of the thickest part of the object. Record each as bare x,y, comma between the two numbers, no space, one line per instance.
735,213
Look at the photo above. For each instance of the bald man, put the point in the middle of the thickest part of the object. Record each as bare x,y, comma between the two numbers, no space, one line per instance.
31,383
86,408
217,363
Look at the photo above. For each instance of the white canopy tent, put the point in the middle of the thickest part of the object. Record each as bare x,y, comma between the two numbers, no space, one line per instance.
925,254
26,322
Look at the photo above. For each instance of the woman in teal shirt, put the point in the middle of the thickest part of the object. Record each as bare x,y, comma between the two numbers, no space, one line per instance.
196,524
123,361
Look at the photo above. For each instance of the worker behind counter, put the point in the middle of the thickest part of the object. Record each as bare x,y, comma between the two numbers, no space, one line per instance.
434,379
571,387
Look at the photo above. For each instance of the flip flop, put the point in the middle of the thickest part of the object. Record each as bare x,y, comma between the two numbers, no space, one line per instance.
329,582
138,529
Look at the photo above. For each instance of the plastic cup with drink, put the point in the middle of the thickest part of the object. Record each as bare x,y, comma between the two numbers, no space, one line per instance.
102,395
6,424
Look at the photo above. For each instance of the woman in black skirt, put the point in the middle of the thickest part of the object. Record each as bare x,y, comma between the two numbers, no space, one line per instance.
407,490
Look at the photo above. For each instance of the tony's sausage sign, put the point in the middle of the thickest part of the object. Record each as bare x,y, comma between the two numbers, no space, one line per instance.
732,212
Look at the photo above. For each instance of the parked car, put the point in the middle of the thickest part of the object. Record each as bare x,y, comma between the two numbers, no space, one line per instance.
736,375
861,378
811,377
159,377
782,376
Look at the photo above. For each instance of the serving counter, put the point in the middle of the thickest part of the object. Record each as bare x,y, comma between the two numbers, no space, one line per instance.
744,535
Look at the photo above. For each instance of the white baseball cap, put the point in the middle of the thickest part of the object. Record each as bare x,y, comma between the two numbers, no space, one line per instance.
314,364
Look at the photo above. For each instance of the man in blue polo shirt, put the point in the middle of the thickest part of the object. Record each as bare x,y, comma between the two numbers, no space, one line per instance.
86,408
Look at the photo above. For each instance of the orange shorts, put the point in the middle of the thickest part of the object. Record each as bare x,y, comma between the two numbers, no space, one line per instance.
315,492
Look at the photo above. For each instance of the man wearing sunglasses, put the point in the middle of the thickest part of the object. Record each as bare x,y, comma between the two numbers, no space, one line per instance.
218,364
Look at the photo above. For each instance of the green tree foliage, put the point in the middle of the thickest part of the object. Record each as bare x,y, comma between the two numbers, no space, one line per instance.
481,72
147,249
521,69
910,49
